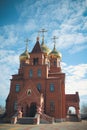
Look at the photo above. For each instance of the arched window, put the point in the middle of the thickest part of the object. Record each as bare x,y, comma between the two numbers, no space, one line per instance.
17,87
39,87
31,73
29,92
52,87
39,72
35,61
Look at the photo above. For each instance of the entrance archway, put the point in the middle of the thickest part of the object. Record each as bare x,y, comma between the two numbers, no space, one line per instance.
33,110
72,113
71,110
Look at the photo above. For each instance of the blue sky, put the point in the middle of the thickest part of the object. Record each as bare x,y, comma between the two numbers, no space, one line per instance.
66,19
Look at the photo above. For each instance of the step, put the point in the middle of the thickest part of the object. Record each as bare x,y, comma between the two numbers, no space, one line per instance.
27,120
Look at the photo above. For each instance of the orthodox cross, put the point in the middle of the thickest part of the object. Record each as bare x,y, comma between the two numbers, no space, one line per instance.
54,40
43,31
27,40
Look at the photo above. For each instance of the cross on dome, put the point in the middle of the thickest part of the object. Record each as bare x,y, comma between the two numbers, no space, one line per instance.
54,40
26,41
43,31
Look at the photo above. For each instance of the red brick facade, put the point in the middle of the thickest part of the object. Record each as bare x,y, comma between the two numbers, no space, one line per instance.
39,85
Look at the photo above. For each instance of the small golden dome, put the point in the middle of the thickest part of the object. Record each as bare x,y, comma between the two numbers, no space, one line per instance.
55,53
24,56
44,48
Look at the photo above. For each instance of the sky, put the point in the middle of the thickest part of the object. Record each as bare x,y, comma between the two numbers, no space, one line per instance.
66,19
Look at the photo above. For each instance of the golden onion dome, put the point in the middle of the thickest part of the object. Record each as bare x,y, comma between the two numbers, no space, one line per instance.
24,56
44,48
55,53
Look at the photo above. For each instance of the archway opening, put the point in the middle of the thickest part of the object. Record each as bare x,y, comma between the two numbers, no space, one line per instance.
33,110
72,113
71,110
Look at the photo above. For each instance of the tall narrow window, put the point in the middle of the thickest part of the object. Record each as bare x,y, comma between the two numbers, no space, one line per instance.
17,87
15,106
52,87
39,87
54,63
39,72
35,61
52,106
31,73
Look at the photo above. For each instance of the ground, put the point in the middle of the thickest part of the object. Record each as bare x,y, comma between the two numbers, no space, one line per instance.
56,126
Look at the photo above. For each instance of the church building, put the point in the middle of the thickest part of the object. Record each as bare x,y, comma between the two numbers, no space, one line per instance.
39,85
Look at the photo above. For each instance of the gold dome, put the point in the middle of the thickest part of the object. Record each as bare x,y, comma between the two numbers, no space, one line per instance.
44,48
55,53
24,56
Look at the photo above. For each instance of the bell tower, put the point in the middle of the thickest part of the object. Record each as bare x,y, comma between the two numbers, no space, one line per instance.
24,57
55,58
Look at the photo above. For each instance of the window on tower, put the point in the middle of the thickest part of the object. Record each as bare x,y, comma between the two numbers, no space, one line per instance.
17,87
52,87
39,87
52,106
54,63
35,61
39,72
31,73
15,106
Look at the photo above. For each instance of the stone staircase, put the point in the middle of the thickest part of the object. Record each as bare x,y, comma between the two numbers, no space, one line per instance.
27,120
39,118
46,119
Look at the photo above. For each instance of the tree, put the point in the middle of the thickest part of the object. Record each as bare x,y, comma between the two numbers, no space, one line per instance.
84,109
2,109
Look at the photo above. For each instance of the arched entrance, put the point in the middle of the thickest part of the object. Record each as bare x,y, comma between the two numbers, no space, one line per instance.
71,110
72,113
33,110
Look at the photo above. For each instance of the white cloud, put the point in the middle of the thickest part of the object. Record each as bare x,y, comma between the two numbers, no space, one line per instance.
77,48
9,63
76,41
30,25
76,78
77,86
8,57
8,36
61,18
5,75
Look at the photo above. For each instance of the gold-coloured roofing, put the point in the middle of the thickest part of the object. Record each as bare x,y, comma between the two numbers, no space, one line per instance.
55,53
24,55
44,48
